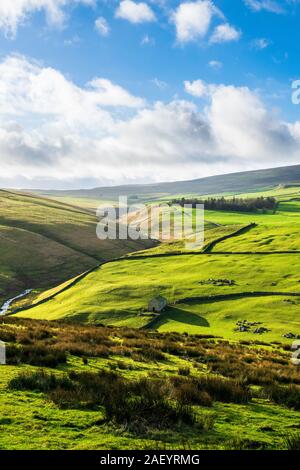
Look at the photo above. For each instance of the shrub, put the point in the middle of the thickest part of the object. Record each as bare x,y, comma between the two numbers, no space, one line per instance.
284,395
139,404
147,402
7,336
158,413
35,355
203,389
188,393
224,390
40,381
74,398
151,354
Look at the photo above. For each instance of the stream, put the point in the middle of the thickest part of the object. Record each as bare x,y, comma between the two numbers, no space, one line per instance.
8,303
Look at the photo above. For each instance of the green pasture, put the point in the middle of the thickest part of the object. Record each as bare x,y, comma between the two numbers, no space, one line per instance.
29,421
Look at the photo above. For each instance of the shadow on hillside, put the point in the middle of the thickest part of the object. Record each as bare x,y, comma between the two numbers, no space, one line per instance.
181,316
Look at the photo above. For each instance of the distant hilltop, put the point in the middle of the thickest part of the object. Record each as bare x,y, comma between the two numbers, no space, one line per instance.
247,181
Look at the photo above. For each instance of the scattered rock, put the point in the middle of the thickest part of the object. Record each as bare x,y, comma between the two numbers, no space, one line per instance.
245,325
262,329
291,336
219,282
243,328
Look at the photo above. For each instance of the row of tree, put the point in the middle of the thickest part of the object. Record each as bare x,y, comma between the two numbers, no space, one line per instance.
257,204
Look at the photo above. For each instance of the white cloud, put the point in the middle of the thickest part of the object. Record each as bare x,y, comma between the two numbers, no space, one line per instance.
261,43
135,12
53,132
197,88
27,88
102,26
215,64
225,33
246,130
15,12
192,20
107,93
272,6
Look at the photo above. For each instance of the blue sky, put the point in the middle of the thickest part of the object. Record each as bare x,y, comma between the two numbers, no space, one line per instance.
188,69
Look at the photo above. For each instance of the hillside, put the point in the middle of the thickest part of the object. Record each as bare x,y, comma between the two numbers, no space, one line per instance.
80,387
44,242
214,367
230,183
251,271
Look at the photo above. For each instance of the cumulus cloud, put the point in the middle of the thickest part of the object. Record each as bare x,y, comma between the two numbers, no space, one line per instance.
196,88
192,20
135,12
102,26
15,12
163,134
27,87
107,93
244,128
55,133
225,33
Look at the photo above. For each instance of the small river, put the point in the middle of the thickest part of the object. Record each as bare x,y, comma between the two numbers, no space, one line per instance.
7,304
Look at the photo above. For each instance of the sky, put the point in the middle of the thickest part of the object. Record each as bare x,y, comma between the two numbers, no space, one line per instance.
106,92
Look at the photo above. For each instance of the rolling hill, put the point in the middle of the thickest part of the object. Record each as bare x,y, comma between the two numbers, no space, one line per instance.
44,242
248,274
232,315
230,183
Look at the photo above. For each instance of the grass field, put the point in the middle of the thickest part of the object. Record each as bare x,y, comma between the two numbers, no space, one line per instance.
233,410
248,269
44,242
263,259
110,294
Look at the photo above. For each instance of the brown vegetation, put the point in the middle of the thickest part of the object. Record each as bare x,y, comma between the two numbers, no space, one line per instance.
217,370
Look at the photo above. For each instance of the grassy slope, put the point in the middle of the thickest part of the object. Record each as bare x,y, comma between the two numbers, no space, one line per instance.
31,421
211,233
279,232
43,242
118,292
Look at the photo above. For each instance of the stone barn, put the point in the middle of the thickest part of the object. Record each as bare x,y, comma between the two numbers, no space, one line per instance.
157,304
